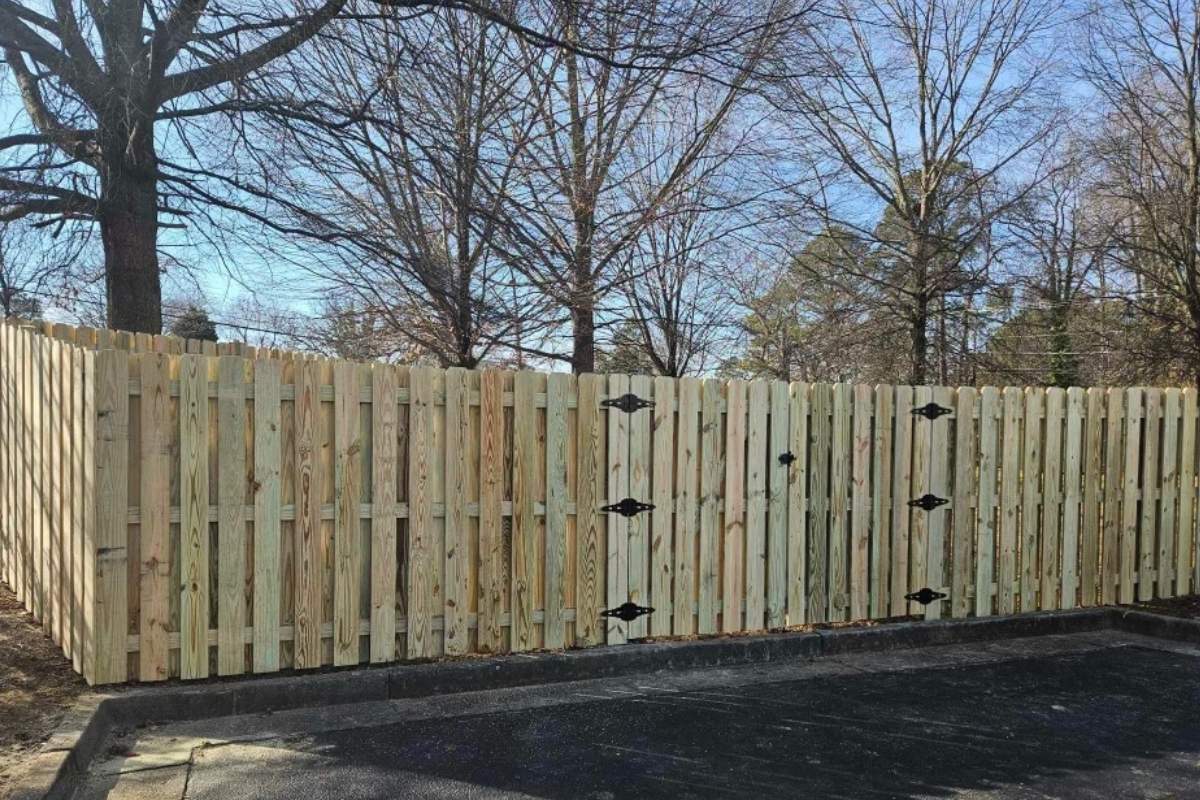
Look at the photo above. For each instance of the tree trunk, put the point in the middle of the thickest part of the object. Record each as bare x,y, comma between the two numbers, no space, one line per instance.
583,334
919,335
129,231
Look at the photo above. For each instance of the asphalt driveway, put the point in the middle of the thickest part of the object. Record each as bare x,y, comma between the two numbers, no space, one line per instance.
1101,715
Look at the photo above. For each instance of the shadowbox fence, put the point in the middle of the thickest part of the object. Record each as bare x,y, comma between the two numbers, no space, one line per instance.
183,509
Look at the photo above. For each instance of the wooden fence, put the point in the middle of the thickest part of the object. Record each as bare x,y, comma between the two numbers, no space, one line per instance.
178,509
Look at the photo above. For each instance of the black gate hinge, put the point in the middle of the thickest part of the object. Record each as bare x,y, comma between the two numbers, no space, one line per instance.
932,411
928,502
628,403
925,596
628,507
627,612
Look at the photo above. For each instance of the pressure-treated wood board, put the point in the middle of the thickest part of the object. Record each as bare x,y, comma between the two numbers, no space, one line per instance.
617,570
797,489
347,527
861,443
687,509
881,502
493,567
155,559
818,503
231,522
1007,577
307,530
662,551
268,460
558,387
712,468
839,504
1186,532
1165,572
1148,524
193,526
1093,476
457,561
1130,494
638,526
918,558
758,407
1051,534
778,471
1072,472
902,472
963,505
1113,526
591,538
941,440
990,422
420,550
1031,496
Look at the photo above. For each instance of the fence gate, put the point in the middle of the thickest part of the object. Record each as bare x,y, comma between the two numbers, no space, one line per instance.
631,513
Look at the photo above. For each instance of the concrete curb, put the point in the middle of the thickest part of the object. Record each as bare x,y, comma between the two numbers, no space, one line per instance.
66,755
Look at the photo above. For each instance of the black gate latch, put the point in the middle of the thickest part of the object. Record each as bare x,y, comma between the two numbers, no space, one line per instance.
627,612
932,410
787,458
925,596
628,507
628,403
928,502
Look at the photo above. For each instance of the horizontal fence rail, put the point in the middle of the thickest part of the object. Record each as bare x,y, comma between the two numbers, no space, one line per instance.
176,509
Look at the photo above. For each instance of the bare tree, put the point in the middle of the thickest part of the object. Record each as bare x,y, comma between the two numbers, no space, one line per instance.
925,108
1143,60
407,176
575,225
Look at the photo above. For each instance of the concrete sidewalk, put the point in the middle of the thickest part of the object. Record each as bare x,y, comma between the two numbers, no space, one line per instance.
1099,714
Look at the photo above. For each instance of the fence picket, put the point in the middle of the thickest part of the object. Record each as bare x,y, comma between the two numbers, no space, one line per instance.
193,501
963,505
492,564
758,407
798,511
457,563
1168,495
779,470
1113,535
617,569
662,551
881,501
687,516
818,512
347,490
590,545
1093,475
1186,534
420,546
558,386
267,525
1055,404
860,505
309,491
1146,527
155,506
638,526
1072,471
712,467
902,467
918,558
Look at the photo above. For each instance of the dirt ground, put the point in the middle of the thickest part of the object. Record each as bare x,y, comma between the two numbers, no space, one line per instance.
1186,606
37,686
